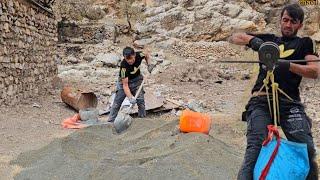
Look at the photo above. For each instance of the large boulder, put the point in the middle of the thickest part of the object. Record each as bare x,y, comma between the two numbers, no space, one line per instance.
205,27
202,20
109,60
172,19
231,10
143,42
185,3
153,11
95,13
312,21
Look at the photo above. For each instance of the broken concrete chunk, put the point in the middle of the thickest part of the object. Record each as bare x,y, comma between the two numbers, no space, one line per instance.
109,60
195,105
89,114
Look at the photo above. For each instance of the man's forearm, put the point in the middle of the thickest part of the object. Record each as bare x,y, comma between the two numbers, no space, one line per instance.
308,71
240,38
147,58
311,70
127,91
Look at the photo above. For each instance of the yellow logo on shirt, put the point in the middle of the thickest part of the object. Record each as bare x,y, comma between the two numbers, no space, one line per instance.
285,53
135,69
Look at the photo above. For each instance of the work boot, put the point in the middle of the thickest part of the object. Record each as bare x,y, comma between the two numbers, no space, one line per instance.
141,111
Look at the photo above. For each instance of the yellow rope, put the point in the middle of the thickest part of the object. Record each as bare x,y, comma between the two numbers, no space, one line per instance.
282,92
265,84
278,106
275,96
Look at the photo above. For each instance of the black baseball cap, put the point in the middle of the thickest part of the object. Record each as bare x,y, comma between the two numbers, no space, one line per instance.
128,51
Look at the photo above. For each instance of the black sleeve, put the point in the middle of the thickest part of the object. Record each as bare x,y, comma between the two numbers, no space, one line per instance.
309,47
123,70
140,55
264,37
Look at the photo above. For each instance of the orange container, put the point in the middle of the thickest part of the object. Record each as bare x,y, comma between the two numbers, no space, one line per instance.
191,121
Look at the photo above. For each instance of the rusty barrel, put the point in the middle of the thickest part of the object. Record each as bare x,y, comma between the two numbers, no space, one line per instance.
79,99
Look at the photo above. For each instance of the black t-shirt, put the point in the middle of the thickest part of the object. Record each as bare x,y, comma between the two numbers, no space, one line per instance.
291,49
131,71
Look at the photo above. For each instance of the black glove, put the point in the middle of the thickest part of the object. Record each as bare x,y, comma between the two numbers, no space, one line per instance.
255,43
150,67
283,65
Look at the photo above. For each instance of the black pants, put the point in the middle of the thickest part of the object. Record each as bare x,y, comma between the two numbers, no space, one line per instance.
120,96
294,122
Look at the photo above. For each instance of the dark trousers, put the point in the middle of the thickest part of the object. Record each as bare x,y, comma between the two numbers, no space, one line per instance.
294,122
120,96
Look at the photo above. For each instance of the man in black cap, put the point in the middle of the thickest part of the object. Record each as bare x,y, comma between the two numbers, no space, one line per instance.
129,81
294,122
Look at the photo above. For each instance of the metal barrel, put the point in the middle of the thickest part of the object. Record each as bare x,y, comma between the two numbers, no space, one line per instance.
78,99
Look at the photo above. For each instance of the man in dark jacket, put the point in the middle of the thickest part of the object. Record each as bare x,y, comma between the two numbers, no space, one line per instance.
293,119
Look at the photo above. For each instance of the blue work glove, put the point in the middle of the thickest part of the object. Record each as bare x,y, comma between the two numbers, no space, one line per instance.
255,43
133,100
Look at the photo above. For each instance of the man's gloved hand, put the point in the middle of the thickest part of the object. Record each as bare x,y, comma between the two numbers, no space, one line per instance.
133,100
150,67
255,43
283,65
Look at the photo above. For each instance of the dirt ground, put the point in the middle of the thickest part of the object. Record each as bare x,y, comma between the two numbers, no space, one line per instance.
25,127
34,125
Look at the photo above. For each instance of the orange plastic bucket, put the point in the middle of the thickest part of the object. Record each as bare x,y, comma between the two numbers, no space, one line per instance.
191,121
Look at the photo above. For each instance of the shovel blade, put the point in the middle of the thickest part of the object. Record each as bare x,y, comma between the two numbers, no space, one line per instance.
122,122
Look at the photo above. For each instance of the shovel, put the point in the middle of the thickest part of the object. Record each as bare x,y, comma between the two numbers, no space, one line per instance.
123,119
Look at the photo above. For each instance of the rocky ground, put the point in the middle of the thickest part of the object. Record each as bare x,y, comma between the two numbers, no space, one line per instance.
187,41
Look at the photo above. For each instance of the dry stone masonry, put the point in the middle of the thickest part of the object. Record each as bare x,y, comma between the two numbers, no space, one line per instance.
91,33
28,37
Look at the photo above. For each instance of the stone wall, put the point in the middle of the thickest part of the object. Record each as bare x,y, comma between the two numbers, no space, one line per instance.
92,33
28,37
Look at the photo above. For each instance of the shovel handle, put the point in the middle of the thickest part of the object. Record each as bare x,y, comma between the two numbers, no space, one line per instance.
138,92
